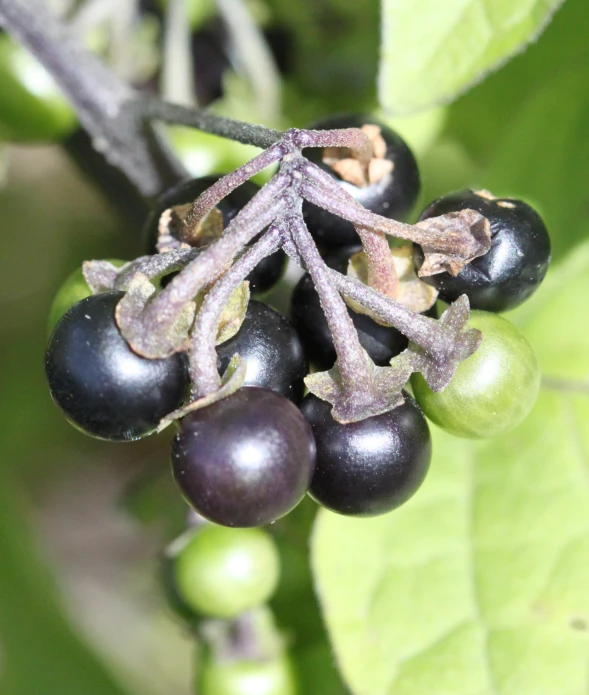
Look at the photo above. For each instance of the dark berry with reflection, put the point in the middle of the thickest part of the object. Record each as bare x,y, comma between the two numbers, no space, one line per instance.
272,350
368,467
245,460
516,263
266,274
102,386
392,196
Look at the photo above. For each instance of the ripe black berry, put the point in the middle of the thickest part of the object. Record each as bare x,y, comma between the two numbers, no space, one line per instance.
102,386
368,467
382,343
272,349
514,266
392,196
245,460
267,273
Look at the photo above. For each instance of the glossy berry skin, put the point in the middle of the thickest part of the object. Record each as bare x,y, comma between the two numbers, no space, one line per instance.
267,273
516,263
73,289
273,676
272,350
100,384
393,196
245,460
32,107
369,467
493,390
223,572
382,343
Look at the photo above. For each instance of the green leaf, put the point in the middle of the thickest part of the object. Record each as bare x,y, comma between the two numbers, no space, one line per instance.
522,133
480,118
40,652
432,51
479,584
549,168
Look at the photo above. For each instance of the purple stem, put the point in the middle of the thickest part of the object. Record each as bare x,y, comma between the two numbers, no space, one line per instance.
429,334
203,356
350,138
177,114
223,187
257,214
382,274
156,266
326,193
351,360
100,99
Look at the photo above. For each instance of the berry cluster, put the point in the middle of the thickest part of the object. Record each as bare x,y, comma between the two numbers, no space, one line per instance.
172,336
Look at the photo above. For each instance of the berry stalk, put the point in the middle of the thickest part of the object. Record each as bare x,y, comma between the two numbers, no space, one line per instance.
352,364
459,236
206,202
155,267
442,343
202,355
100,98
382,275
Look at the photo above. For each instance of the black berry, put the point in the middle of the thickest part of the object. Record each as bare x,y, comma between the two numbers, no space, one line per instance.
514,266
368,467
102,386
266,274
272,349
392,196
245,460
382,343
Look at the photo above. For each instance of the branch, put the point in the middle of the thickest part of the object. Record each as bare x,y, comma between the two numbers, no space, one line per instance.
115,115
246,133
98,96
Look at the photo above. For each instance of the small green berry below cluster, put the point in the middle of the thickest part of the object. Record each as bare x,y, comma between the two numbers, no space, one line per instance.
223,572
493,390
273,676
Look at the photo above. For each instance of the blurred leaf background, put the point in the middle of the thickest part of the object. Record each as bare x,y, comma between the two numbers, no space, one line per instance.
82,522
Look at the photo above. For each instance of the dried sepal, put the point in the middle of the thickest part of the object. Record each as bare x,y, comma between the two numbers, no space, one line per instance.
166,241
386,389
233,314
439,367
155,267
148,341
172,233
466,234
100,276
206,232
231,381
349,167
411,291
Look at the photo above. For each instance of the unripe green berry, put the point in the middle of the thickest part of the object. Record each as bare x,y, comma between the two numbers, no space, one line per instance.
73,290
224,571
271,677
32,106
493,390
